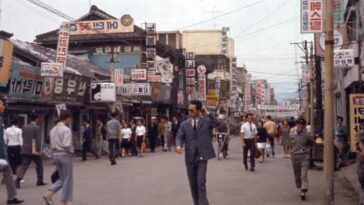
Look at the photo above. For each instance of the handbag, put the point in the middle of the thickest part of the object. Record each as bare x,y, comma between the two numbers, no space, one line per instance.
143,147
258,153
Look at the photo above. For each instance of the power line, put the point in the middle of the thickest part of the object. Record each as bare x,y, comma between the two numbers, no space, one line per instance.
222,15
262,19
51,9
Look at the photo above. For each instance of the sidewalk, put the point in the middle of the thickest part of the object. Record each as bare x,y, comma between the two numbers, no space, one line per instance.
347,187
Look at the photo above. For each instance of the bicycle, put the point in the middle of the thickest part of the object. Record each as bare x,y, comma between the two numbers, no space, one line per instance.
222,141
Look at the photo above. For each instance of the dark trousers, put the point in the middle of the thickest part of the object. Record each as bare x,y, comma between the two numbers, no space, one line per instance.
249,146
152,143
271,140
14,157
26,160
113,147
196,172
86,147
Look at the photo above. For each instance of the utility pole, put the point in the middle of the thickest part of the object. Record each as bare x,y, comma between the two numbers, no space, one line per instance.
312,81
329,111
112,73
307,107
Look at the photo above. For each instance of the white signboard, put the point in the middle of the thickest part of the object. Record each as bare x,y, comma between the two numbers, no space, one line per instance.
51,70
344,58
277,107
139,74
103,92
312,16
136,89
60,107
62,45
101,26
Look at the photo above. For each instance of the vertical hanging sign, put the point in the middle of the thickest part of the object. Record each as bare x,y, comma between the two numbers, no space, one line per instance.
201,70
62,46
312,16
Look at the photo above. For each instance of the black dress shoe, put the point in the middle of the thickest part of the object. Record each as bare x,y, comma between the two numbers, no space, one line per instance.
113,163
303,196
252,169
246,167
15,201
41,184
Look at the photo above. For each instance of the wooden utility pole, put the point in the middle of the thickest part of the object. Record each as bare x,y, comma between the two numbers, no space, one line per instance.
329,111
312,84
307,107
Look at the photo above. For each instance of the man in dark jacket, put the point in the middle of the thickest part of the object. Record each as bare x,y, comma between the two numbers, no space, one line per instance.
4,164
175,126
153,133
31,150
87,140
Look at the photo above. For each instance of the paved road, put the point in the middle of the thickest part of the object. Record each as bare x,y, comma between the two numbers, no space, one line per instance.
160,179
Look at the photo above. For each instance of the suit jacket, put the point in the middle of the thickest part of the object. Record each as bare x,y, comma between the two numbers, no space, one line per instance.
153,131
3,153
175,128
31,131
200,141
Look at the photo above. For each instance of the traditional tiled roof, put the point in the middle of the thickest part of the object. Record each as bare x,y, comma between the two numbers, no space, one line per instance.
32,52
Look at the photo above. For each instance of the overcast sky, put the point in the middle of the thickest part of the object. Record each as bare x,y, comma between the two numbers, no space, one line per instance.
262,29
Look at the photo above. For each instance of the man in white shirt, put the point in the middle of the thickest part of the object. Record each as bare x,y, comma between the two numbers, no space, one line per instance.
248,134
13,140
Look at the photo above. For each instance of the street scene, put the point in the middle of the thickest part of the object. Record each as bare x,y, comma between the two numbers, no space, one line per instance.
182,102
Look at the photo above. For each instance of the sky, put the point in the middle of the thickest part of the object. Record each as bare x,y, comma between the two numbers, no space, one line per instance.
263,30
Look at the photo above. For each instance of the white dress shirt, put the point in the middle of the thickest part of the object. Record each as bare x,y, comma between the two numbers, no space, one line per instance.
249,130
13,136
140,130
126,133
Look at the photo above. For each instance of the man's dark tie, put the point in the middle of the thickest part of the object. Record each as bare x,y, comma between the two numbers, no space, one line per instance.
194,125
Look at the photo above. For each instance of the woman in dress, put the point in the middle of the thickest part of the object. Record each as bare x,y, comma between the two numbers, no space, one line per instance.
125,139
262,139
285,129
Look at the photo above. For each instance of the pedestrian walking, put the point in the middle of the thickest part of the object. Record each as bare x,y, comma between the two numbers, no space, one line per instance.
62,148
223,129
31,150
100,137
13,141
341,141
360,159
248,134
301,143
125,141
5,167
153,133
195,138
87,140
140,133
272,133
113,128
133,147
175,126
262,139
284,132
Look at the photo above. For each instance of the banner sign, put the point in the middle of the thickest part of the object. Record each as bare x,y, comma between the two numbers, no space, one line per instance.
180,97
62,45
344,58
190,72
165,68
278,107
136,89
202,87
108,50
103,92
25,82
139,74
70,88
282,114
356,115
6,53
119,77
153,77
338,11
311,16
51,69
100,26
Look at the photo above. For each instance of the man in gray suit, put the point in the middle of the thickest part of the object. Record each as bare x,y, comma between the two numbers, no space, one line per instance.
31,132
195,138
